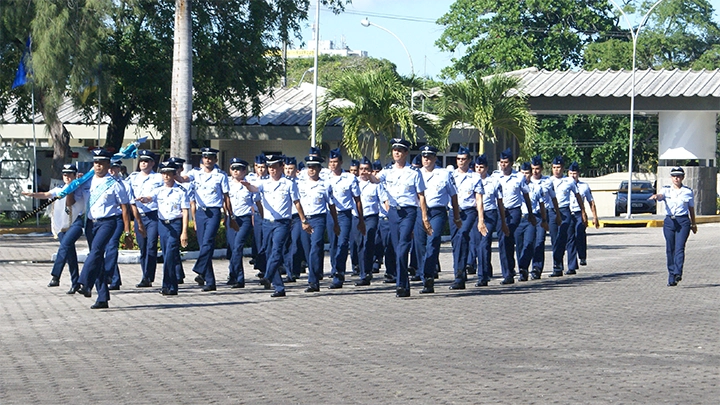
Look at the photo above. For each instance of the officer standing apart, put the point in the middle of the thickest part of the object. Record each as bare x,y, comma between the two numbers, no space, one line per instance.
316,202
494,212
577,237
173,205
141,182
106,199
211,196
346,196
67,225
277,194
470,201
243,202
679,221
514,190
406,194
565,190
440,192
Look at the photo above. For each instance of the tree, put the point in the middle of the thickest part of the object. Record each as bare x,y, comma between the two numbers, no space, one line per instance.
503,35
331,68
372,105
491,105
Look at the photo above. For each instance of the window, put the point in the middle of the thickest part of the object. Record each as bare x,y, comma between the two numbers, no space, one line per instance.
14,169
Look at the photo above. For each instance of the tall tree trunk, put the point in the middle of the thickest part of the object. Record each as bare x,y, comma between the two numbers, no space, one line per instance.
61,147
116,130
181,103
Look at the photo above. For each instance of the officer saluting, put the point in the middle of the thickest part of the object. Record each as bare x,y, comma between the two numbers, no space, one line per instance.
173,205
211,196
406,193
106,199
679,221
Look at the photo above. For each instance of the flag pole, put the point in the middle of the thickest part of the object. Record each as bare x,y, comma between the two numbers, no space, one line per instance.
32,102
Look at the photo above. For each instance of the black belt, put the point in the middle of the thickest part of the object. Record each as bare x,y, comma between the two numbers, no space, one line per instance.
115,217
144,214
315,216
677,216
169,221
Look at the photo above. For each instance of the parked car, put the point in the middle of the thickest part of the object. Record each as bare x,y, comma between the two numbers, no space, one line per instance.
641,191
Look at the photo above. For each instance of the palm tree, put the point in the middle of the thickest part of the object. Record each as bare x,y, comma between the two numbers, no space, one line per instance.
374,102
488,104
181,100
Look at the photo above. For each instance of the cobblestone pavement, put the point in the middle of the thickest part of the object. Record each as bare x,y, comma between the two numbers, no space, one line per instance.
614,333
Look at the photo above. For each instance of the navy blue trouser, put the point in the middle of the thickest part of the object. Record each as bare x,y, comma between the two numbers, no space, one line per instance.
538,261
340,245
148,244
208,223
314,247
484,248
676,231
388,252
112,270
258,245
506,244
525,242
275,233
66,252
237,243
576,227
292,256
93,271
170,241
356,239
366,248
473,254
428,247
461,241
558,237
402,224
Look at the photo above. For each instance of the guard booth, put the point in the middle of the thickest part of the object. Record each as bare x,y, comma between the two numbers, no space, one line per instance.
16,176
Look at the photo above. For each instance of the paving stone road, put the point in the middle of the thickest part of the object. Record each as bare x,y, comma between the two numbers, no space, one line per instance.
614,333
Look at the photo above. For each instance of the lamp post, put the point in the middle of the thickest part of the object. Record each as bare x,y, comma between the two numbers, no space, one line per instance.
313,126
634,35
366,23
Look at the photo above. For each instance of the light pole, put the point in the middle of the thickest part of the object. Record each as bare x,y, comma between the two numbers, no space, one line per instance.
313,126
634,35
367,23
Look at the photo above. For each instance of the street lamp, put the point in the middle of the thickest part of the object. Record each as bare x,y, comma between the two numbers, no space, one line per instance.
634,35
313,126
366,23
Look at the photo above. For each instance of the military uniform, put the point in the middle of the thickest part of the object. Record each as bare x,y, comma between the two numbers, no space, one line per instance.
565,190
494,213
243,202
371,195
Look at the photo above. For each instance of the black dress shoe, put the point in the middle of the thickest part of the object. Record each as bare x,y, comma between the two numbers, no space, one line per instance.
209,288
362,283
673,284
230,281
200,280
164,291
570,272
470,270
238,285
523,275
678,279
535,275
457,286
556,273
265,283
181,281
73,290
583,262
260,274
82,290
416,278
389,281
481,284
289,280
402,293
312,288
277,294
509,280
172,292
113,287
99,305
143,283
54,282
335,286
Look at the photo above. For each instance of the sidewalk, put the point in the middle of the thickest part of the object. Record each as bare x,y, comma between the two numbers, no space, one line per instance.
614,333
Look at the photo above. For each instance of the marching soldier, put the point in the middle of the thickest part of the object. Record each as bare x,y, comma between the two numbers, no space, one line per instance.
494,212
372,196
526,232
565,190
243,203
551,210
293,249
577,237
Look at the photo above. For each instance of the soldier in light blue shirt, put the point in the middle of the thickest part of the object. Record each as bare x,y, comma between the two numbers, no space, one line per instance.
515,191
679,221
278,194
372,196
258,251
565,189
577,236
211,198
172,204
552,211
293,252
525,233
140,183
439,193
406,193
345,195
105,199
243,205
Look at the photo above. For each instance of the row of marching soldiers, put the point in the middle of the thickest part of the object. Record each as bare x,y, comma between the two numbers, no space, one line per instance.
393,216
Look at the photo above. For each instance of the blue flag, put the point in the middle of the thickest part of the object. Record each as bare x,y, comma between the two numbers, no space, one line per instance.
22,74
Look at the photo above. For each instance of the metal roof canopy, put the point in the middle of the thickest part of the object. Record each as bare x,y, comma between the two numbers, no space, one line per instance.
608,92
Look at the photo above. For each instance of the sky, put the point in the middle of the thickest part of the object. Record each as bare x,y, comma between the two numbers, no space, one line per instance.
412,21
